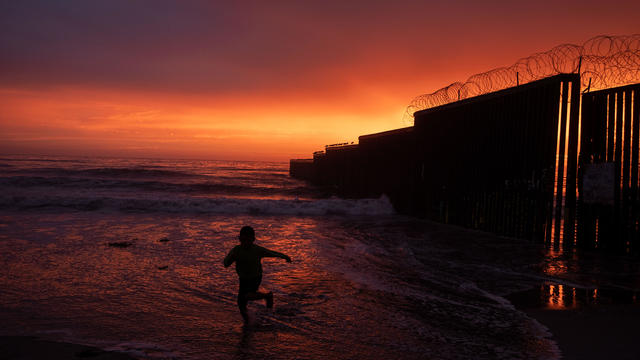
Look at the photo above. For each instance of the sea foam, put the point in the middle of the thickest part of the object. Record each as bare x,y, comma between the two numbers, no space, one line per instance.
217,205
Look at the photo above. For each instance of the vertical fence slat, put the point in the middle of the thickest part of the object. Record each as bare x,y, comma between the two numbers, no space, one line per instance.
571,165
559,171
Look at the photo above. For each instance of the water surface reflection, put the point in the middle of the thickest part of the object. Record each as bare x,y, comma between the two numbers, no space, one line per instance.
566,297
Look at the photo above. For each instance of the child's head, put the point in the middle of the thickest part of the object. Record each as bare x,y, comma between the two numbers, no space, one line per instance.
247,235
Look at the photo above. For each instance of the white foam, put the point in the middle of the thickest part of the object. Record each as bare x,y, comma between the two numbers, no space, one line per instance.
471,287
177,204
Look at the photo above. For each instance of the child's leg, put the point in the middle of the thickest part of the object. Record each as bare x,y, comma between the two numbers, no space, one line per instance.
256,295
242,305
268,297
249,291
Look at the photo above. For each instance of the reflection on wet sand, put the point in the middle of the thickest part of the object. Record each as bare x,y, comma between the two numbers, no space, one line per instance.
577,278
555,262
553,296
357,288
245,348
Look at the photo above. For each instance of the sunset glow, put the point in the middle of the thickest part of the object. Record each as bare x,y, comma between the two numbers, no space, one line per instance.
260,81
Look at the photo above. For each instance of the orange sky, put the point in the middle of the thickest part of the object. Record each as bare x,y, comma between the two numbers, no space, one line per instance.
257,81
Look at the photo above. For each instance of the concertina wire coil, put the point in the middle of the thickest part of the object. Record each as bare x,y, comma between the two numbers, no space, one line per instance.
602,62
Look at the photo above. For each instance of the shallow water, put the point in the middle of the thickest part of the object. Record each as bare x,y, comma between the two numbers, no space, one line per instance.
364,283
349,293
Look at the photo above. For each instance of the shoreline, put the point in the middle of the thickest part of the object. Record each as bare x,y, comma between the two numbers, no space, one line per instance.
30,347
592,332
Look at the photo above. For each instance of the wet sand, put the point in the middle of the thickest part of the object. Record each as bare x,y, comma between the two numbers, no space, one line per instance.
600,332
27,348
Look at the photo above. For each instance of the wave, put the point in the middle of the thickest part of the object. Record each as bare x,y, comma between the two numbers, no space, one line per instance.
118,172
143,172
276,169
331,206
224,185
18,159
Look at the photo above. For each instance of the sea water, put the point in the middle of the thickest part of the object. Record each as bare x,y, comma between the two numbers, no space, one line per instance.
365,282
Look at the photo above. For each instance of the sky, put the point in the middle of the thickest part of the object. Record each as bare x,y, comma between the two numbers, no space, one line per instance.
254,80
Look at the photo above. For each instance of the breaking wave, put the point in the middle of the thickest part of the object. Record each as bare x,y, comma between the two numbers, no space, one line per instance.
134,172
331,206
217,185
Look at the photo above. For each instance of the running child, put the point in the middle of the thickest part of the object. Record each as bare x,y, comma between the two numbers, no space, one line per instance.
247,257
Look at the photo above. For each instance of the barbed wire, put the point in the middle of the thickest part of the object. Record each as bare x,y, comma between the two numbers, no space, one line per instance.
602,61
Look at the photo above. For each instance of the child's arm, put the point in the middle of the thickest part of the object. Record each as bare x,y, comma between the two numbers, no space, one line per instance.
230,258
271,253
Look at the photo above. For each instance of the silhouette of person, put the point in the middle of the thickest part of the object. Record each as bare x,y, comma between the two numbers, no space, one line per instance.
247,257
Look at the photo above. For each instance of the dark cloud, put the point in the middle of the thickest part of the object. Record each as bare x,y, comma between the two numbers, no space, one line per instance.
201,45
242,46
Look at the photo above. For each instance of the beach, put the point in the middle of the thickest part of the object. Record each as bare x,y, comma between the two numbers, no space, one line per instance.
26,348
365,282
597,333
603,332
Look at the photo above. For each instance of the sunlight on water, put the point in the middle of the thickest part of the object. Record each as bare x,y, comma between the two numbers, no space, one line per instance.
350,292
127,255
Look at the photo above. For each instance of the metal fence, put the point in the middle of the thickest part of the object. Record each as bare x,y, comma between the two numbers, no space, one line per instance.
608,205
504,162
539,161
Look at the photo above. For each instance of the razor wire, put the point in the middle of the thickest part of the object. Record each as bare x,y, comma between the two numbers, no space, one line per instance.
602,62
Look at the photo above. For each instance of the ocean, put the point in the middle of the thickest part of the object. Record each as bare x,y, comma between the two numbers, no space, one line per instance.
365,282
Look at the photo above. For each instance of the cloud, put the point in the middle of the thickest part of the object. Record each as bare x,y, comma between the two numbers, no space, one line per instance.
335,69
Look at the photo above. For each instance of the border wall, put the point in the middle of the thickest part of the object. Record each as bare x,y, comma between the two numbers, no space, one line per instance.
496,162
609,182
507,162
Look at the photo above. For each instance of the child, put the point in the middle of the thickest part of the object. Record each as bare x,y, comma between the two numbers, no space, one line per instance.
248,258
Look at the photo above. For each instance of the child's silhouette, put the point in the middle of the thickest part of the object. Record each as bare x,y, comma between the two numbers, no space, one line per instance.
247,257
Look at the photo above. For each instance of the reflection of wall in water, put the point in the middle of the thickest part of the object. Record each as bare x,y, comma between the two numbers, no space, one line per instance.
563,297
